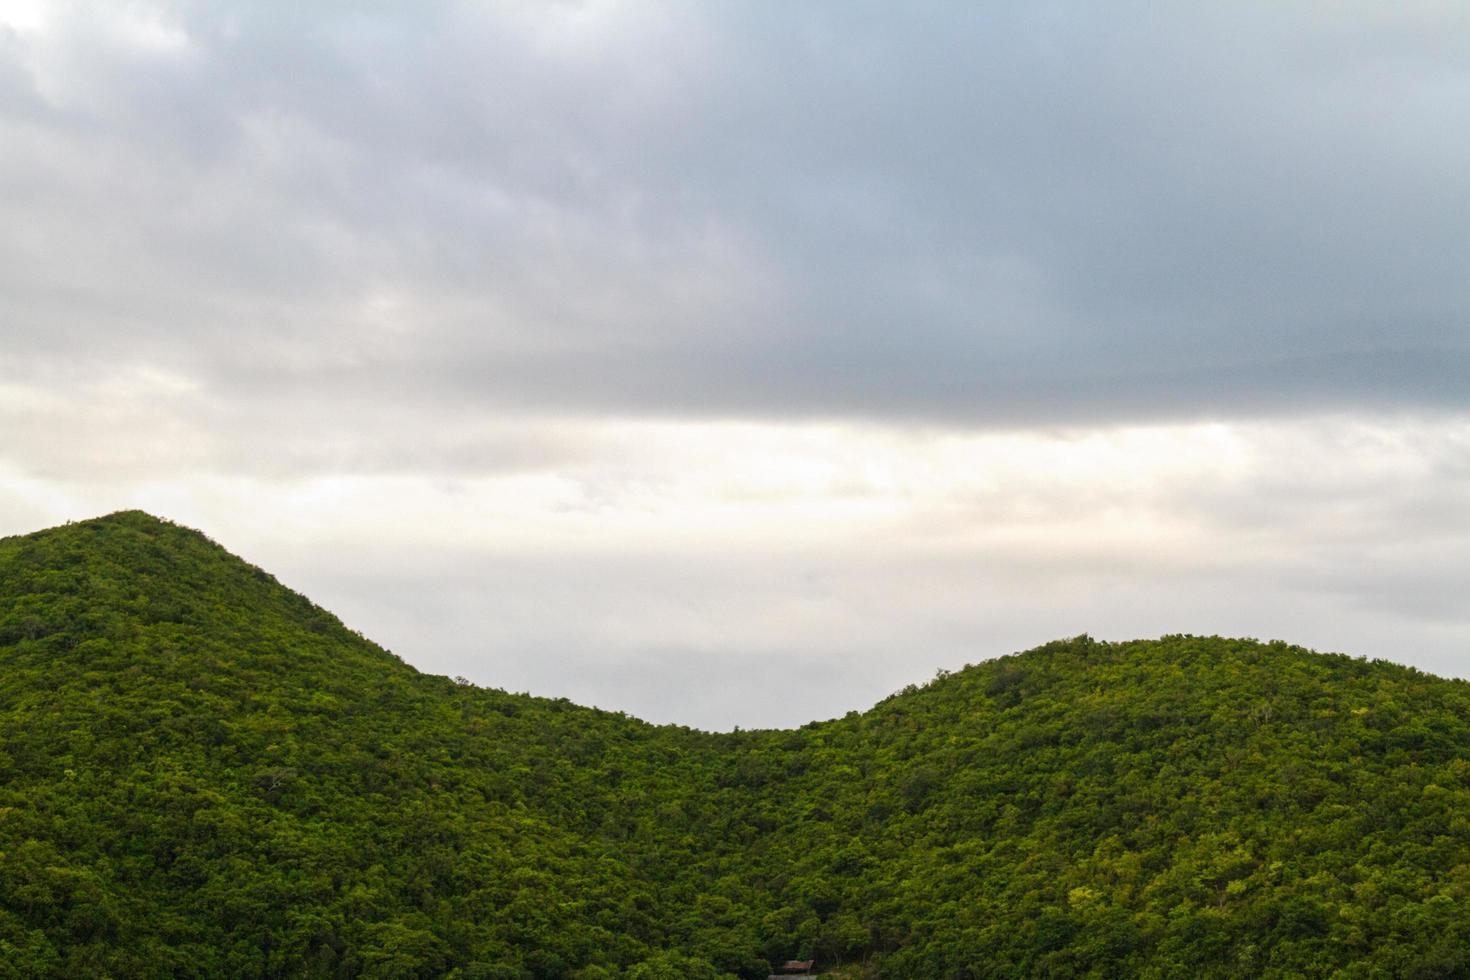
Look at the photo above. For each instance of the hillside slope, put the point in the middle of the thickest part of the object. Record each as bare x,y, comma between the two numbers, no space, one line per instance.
203,774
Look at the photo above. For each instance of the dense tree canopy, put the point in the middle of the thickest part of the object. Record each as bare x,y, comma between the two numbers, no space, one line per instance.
203,774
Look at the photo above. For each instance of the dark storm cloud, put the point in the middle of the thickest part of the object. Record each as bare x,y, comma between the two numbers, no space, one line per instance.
1016,215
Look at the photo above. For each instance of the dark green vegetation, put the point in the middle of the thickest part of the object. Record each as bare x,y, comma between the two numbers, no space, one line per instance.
203,774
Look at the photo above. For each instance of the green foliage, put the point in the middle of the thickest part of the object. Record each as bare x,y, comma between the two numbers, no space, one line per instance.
203,774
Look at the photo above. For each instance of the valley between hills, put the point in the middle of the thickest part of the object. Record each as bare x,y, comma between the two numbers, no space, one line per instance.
203,774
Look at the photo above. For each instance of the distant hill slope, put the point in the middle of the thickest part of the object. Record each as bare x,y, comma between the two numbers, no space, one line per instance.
203,774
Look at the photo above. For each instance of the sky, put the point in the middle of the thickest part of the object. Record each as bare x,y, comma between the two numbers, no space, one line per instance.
737,364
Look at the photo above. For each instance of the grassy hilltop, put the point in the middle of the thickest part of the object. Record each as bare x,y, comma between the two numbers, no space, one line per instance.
204,774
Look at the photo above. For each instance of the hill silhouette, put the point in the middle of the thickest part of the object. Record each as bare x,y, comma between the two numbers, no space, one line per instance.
204,774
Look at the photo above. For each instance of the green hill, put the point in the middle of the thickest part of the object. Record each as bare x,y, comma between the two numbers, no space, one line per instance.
203,774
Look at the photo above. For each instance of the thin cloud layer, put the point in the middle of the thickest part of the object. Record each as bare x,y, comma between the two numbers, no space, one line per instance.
722,575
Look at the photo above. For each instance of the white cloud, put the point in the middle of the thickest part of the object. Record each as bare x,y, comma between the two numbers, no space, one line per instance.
26,16
685,571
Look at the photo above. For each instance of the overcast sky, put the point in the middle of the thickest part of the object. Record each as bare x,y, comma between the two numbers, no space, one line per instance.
739,363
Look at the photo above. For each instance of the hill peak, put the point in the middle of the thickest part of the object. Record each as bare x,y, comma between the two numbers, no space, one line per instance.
135,519
130,567
131,516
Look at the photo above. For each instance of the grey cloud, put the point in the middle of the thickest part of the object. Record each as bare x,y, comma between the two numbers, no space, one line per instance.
1029,215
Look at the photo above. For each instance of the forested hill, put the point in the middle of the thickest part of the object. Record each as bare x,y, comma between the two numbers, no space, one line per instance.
203,774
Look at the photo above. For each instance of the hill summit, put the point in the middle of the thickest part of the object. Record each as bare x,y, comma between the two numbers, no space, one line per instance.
204,774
